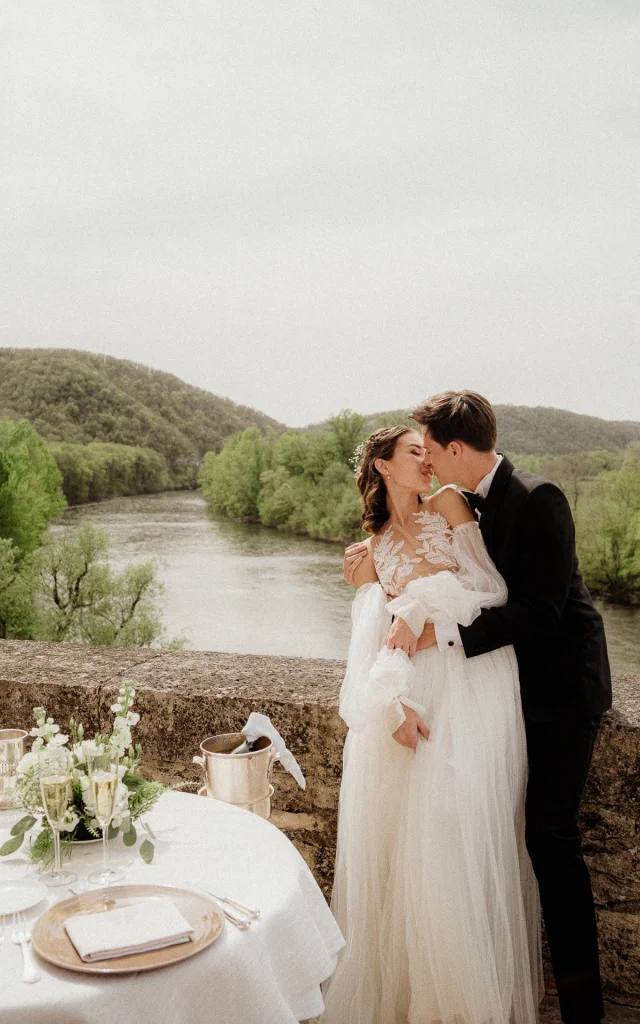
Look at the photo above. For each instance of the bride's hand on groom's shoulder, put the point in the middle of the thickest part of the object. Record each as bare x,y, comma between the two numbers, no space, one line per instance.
352,559
411,729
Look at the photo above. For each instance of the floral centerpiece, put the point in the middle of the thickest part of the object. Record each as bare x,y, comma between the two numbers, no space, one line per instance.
134,795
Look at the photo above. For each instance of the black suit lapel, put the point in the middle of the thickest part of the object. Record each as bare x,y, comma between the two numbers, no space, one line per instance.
494,500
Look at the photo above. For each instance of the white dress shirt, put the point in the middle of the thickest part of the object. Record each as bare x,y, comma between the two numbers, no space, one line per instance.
448,634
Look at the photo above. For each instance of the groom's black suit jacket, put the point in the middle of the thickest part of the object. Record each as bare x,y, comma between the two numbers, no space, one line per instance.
549,617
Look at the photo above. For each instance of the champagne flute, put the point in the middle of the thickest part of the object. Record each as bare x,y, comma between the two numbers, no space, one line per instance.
55,786
103,783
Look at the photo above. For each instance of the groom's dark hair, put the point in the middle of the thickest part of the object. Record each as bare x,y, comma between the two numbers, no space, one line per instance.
459,416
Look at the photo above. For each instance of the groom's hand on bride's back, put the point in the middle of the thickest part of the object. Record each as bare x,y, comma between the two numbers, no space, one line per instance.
353,557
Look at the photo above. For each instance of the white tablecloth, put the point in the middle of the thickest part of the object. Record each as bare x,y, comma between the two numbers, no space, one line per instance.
269,974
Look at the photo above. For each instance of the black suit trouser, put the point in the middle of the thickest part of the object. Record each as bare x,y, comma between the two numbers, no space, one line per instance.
559,758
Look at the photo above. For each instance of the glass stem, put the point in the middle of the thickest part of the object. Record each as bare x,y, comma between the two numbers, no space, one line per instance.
104,847
56,851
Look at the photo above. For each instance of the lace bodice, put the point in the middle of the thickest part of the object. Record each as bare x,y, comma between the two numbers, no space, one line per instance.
403,555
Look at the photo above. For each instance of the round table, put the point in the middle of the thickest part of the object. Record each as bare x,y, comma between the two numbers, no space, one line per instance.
269,974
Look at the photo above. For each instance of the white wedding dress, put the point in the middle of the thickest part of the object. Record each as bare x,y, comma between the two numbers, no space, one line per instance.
434,891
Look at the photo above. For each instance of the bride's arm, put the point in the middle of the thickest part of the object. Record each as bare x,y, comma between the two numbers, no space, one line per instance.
365,572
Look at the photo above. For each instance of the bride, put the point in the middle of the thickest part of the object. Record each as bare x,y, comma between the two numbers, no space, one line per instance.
434,891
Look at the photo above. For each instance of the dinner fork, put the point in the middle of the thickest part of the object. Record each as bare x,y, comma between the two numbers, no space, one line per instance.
21,935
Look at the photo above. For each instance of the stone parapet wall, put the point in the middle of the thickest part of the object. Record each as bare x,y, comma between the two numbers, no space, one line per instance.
185,696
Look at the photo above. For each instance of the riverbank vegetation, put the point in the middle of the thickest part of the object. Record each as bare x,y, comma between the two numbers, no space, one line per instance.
60,586
303,482
92,472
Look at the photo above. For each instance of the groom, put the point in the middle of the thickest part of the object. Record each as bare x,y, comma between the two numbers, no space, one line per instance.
560,645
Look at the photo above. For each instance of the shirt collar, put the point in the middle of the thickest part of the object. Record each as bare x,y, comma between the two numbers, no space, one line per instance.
484,485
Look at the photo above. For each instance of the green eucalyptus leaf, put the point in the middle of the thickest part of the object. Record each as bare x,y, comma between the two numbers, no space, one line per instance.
147,851
14,844
129,837
23,825
112,832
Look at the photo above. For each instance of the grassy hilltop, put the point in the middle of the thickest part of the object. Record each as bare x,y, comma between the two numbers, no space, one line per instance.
79,397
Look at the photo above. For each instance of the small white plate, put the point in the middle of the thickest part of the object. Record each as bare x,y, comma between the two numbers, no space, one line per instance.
20,895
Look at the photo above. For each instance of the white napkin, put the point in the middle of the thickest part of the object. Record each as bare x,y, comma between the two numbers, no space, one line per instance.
259,725
139,928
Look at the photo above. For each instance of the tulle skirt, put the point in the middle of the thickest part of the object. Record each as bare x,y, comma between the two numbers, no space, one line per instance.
434,891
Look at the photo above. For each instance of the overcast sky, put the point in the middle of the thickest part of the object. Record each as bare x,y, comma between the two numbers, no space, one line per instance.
307,206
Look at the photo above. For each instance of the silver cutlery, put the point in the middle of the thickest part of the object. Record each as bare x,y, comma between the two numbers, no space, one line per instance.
21,935
247,911
230,909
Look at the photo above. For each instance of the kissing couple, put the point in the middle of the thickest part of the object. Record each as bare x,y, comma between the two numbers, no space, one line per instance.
476,680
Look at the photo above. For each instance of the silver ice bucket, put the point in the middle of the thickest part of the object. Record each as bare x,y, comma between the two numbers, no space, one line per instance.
12,749
240,779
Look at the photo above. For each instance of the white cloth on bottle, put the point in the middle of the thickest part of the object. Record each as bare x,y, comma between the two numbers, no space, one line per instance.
434,890
260,725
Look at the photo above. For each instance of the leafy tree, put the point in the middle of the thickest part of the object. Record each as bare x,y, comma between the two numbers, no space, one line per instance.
17,594
79,597
30,486
347,431
570,473
609,532
231,480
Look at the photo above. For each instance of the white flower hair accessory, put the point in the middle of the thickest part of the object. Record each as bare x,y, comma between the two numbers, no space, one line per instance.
356,459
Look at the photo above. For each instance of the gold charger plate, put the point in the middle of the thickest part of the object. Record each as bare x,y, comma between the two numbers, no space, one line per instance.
51,942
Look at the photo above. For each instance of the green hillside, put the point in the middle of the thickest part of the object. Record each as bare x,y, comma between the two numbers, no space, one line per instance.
538,430
80,397
541,431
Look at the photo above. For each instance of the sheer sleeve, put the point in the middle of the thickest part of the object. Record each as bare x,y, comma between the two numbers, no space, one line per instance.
377,681
453,597
477,571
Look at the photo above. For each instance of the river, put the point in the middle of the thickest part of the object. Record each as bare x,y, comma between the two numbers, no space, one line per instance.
245,589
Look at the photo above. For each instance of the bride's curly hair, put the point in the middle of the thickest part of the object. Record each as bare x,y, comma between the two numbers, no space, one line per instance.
380,445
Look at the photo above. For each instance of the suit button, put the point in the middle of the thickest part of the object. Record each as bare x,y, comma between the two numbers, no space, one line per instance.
451,643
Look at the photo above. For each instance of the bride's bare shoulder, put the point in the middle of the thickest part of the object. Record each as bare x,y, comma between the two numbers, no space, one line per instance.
451,504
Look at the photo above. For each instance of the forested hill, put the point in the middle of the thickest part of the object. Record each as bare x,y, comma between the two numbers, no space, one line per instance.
529,430
543,431
75,396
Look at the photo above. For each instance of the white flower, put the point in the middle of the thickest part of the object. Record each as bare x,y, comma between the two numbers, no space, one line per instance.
58,741
116,707
70,820
92,749
121,805
133,718
121,737
29,760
